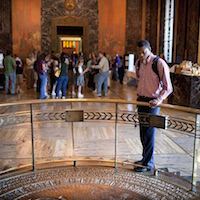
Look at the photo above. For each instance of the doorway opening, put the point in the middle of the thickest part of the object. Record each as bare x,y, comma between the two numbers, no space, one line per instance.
70,39
69,26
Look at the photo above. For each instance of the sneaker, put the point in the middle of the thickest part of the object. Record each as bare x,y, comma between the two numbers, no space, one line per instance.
97,95
73,93
60,93
80,95
35,85
20,91
56,97
94,91
53,94
105,95
43,97
63,97
46,94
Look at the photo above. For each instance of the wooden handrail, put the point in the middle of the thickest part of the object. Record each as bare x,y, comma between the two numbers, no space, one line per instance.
119,101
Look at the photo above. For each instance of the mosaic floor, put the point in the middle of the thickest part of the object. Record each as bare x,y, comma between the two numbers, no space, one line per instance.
85,183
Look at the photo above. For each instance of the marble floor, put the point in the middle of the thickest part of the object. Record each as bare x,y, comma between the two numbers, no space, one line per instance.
95,139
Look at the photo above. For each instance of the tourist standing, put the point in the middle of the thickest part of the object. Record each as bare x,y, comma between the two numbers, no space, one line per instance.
10,74
80,78
42,72
103,67
152,88
63,78
30,71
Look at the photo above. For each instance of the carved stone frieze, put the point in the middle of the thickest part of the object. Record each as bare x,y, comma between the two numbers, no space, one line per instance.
84,14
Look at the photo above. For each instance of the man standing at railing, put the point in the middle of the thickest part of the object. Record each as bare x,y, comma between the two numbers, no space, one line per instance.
154,85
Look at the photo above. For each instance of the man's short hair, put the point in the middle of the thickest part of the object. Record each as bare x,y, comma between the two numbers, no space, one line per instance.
8,53
143,43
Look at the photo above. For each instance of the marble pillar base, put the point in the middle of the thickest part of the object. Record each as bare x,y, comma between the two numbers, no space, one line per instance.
186,90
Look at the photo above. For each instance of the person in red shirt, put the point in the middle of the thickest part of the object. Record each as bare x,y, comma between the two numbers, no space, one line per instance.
152,88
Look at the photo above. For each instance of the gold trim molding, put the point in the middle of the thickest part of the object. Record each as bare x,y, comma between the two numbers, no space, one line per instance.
69,21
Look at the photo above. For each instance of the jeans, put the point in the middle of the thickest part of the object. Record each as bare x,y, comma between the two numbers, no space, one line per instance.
62,82
102,80
12,78
147,137
42,86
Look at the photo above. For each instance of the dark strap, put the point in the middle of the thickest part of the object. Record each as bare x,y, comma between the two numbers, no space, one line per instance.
155,67
138,65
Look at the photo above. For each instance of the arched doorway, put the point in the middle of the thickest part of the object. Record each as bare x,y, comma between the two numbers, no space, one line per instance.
69,34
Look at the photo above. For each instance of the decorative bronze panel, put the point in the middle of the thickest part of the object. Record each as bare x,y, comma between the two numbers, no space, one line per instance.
74,116
158,121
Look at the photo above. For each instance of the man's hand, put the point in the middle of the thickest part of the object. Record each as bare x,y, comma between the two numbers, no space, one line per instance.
154,102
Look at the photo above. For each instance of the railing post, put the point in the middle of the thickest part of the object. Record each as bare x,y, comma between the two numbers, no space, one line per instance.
32,137
116,134
195,156
73,139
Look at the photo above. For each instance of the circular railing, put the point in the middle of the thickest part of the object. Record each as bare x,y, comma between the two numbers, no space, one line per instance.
190,127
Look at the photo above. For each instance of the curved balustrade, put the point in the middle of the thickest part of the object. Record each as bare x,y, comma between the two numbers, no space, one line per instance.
117,117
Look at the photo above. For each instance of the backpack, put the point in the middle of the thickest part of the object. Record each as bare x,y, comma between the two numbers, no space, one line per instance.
154,66
35,66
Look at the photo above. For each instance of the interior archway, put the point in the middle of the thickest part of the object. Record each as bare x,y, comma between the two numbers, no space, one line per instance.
72,23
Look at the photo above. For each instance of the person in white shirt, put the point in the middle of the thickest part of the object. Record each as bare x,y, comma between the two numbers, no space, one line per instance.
80,78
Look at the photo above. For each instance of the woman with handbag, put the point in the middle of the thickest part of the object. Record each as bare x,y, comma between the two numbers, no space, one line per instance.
63,78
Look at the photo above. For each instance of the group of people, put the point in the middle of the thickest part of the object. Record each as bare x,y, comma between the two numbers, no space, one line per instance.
153,85
56,73
13,73
71,73
53,72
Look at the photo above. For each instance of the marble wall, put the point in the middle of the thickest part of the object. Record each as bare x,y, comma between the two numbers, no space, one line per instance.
195,92
192,30
186,90
5,26
151,23
181,31
133,25
187,30
87,9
